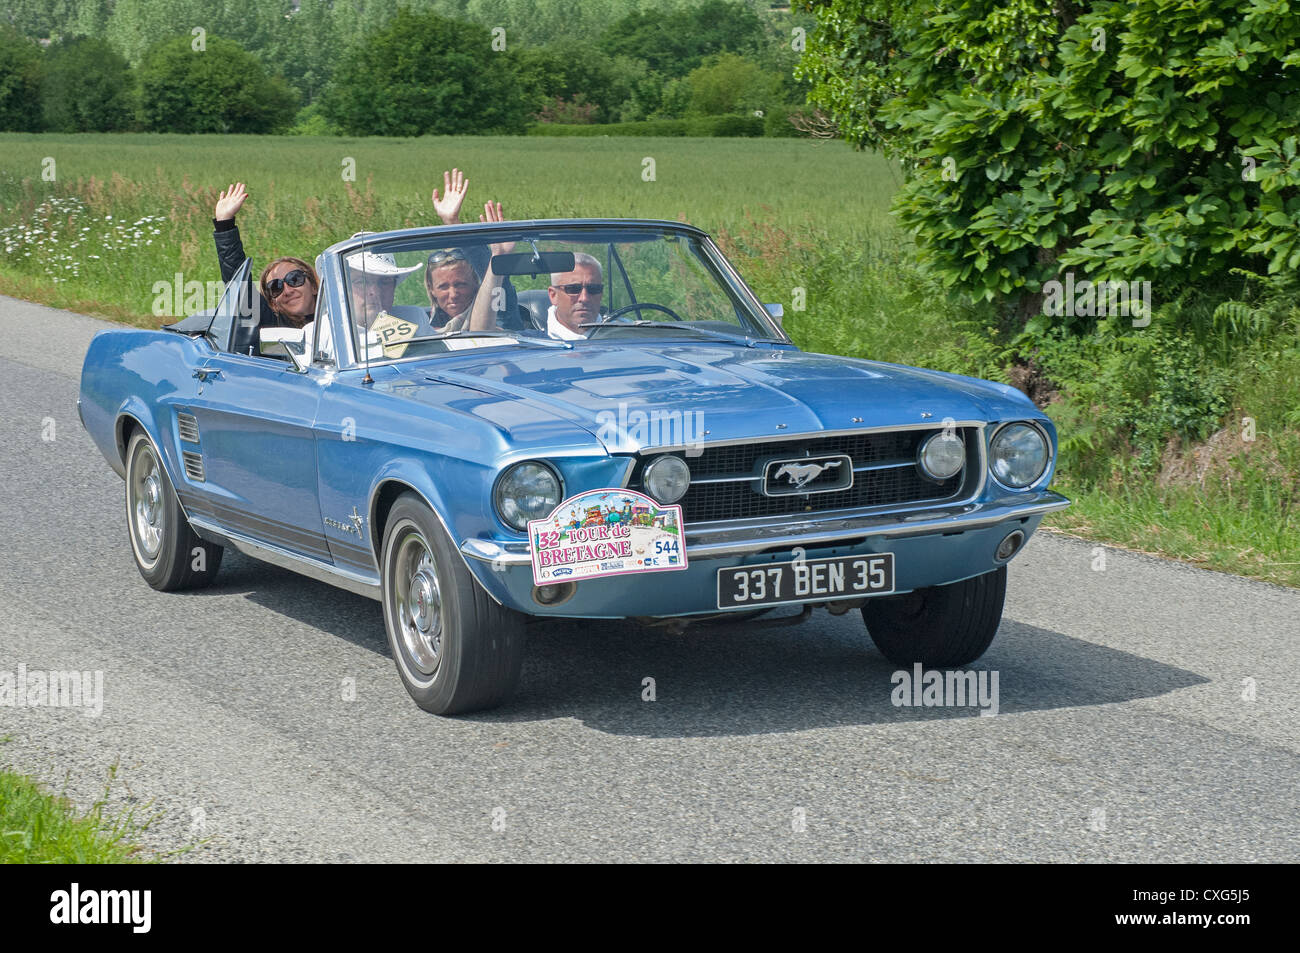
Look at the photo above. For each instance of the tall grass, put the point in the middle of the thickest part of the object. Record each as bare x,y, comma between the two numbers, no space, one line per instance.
301,201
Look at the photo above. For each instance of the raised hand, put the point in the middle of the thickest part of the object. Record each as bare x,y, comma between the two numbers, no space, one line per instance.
229,202
492,213
455,185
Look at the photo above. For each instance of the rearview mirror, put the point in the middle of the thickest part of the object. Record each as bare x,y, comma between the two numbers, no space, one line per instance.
531,263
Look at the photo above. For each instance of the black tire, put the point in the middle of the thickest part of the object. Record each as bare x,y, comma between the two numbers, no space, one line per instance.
940,627
167,551
456,649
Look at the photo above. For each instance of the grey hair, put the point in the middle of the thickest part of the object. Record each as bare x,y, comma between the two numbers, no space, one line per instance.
579,258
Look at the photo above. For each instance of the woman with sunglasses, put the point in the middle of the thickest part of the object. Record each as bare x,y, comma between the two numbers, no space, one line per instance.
289,285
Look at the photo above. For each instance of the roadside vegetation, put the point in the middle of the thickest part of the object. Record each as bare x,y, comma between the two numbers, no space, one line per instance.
41,828
1180,438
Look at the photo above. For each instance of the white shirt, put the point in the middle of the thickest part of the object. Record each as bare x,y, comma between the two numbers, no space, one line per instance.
557,330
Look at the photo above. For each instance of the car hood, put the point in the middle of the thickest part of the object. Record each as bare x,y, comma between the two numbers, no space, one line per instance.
634,397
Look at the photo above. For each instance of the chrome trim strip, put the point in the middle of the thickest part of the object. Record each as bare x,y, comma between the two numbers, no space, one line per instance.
755,479
728,541
312,568
815,435
945,520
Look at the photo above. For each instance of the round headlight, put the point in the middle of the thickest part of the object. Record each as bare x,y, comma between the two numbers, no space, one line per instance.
526,491
1018,455
666,478
942,455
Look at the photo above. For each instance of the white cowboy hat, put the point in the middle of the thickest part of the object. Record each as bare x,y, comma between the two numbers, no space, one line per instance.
379,264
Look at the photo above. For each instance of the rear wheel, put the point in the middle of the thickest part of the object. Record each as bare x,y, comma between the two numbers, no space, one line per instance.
940,627
168,553
456,649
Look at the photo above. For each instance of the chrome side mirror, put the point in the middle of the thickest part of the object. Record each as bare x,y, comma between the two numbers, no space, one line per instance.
288,343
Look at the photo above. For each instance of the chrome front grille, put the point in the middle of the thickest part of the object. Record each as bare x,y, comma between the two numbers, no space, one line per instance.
736,481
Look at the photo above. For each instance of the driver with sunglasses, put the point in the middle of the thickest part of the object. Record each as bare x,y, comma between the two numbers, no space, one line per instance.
575,299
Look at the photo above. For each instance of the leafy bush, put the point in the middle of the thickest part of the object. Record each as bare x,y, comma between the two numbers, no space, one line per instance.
776,122
1127,391
425,75
87,87
219,88
576,111
728,83
311,121
1115,138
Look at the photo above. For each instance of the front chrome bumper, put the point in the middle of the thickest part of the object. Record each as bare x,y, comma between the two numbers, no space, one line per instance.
718,540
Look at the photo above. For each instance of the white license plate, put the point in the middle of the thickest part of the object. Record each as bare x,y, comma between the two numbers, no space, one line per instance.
809,580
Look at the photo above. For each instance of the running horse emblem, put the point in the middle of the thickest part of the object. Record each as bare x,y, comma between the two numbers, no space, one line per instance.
801,474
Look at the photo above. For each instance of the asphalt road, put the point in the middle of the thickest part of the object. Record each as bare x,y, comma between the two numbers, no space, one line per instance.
1124,732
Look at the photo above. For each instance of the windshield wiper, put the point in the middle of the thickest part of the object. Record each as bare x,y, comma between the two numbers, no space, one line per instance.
495,333
744,340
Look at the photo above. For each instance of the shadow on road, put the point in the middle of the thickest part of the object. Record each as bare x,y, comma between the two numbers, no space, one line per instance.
733,679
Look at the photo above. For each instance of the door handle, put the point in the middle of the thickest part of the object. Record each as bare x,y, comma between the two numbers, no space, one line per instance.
207,373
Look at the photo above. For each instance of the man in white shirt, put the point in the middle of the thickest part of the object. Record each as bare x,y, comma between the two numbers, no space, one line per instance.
575,299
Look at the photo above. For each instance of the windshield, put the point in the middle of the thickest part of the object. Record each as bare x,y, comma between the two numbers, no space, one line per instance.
543,287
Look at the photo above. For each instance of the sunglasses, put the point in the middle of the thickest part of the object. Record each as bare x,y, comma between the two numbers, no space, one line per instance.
293,279
455,254
575,289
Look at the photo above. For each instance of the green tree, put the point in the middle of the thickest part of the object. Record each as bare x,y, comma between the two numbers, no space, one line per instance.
1148,139
86,88
424,74
20,82
220,88
136,24
676,41
39,19
728,83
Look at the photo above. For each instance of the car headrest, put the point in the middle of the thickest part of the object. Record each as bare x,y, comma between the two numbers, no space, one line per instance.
538,304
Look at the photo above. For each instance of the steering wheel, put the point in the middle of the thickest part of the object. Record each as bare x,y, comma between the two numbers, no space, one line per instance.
638,306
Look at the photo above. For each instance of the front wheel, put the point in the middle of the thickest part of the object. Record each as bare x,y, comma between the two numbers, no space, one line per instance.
456,649
168,553
940,627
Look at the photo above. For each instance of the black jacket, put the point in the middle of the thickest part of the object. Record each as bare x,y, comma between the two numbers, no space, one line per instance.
230,255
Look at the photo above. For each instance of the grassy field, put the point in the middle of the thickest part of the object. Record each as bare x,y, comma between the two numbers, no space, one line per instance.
159,191
125,211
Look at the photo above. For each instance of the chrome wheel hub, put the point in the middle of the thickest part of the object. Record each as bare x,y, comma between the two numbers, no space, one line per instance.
147,504
419,604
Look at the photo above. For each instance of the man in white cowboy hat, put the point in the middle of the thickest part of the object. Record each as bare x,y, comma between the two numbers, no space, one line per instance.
373,280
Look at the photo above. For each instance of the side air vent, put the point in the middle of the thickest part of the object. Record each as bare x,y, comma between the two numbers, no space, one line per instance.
188,427
193,465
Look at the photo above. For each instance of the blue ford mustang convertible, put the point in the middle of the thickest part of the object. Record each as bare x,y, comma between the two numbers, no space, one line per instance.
615,428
